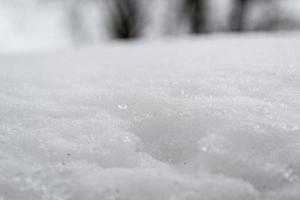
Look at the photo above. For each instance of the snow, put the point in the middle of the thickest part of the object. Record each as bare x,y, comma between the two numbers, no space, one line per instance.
214,118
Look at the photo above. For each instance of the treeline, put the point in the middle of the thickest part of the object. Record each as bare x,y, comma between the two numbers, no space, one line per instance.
127,19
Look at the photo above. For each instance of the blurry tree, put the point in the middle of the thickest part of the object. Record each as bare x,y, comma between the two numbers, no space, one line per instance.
194,11
75,20
125,18
73,17
239,15
274,17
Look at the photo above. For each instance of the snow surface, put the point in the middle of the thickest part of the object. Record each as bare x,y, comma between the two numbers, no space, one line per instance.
215,118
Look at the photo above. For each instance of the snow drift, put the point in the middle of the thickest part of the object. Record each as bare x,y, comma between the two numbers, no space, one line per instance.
212,119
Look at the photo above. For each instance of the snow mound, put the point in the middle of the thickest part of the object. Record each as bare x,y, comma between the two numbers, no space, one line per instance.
212,119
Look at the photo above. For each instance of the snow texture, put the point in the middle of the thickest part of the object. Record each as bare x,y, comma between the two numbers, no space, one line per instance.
215,118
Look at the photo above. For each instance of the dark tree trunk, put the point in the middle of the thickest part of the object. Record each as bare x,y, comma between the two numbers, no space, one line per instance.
124,19
195,12
239,15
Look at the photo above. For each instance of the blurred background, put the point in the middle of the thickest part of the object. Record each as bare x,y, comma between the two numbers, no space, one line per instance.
34,25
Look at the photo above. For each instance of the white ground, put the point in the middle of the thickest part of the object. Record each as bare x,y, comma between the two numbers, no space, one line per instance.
215,118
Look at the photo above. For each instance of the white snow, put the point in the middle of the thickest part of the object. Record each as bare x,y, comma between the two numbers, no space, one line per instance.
215,118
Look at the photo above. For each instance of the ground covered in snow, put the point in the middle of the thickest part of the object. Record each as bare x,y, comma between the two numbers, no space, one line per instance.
214,118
